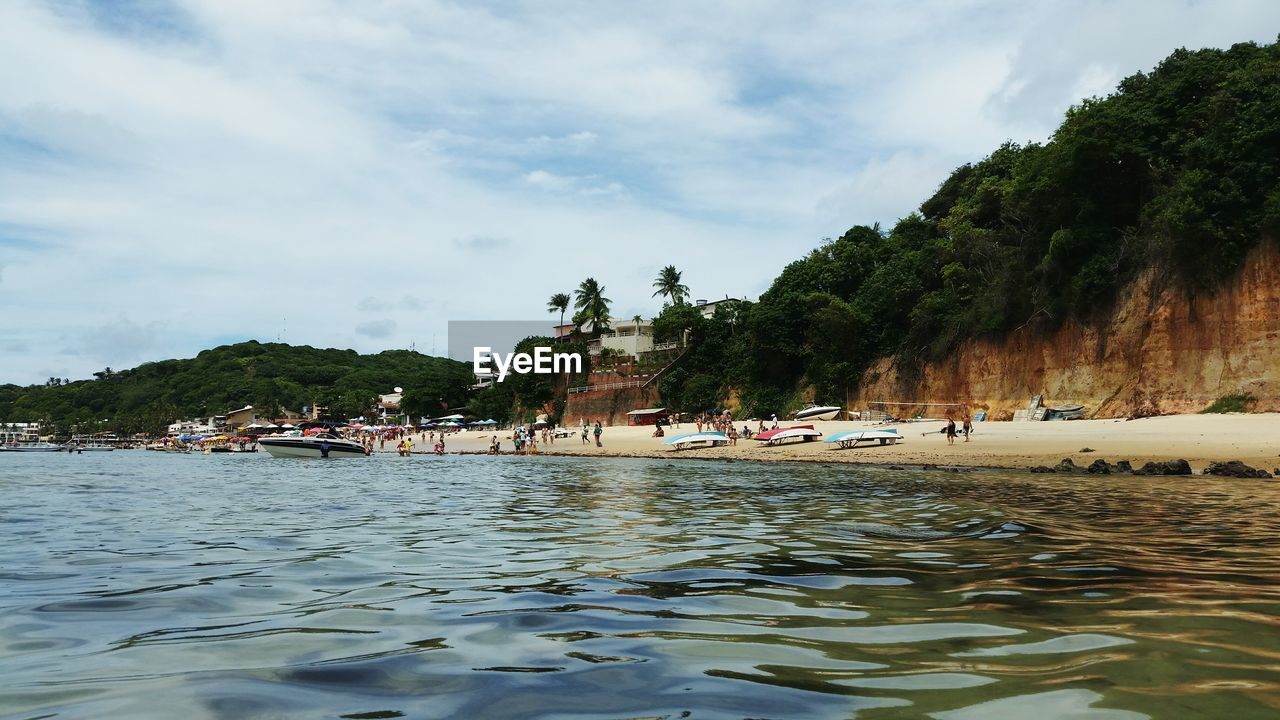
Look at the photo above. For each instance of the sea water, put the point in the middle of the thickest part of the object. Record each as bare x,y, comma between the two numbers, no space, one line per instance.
150,585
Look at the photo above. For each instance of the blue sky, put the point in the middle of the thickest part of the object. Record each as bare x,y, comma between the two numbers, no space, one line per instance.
175,175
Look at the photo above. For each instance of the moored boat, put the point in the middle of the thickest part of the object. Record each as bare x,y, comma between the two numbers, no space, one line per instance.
31,447
320,445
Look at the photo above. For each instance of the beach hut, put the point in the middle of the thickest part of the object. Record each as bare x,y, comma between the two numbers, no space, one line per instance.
646,416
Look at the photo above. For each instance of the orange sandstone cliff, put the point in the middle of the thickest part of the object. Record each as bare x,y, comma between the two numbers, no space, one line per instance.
1160,351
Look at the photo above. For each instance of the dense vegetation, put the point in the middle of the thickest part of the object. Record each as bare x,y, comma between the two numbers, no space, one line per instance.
269,376
1177,171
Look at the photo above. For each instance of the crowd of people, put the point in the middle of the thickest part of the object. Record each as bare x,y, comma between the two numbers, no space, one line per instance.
525,439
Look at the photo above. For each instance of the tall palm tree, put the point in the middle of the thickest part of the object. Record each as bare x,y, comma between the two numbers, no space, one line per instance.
592,306
559,301
668,284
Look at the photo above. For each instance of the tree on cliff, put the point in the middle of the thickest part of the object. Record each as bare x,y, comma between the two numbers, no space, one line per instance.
668,285
592,306
559,302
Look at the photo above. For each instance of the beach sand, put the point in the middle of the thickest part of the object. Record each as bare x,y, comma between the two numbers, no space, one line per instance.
1199,439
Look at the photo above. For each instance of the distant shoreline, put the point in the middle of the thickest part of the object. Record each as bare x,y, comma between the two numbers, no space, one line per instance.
1253,439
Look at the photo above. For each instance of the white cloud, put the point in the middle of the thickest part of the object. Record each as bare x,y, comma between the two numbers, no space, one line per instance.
462,161
588,185
377,329
117,343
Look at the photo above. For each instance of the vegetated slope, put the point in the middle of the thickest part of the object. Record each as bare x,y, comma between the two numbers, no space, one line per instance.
269,376
1159,351
1170,183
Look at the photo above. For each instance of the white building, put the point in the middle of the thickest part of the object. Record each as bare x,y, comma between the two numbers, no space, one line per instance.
708,309
19,433
627,337
192,427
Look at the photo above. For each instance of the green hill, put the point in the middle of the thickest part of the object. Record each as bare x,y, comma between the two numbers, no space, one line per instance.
1177,171
265,375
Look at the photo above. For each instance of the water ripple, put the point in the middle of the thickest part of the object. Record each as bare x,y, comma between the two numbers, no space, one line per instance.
555,588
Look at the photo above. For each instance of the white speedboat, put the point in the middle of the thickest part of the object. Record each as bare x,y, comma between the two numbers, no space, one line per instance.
818,412
321,445
31,447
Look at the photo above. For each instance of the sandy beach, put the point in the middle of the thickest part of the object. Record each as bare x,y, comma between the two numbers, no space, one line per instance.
1200,439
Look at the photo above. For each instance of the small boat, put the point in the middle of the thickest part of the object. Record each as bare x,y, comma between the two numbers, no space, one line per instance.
710,439
88,447
819,412
31,447
320,445
1064,412
805,433
851,438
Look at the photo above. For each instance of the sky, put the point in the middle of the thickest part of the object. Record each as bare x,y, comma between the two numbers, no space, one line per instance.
176,175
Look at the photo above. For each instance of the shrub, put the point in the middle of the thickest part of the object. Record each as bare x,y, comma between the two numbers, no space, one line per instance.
1235,402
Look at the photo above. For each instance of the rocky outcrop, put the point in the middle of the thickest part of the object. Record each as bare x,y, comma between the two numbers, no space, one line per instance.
1170,467
1235,468
1160,351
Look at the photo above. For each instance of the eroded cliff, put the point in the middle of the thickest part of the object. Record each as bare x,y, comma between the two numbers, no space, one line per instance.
1160,351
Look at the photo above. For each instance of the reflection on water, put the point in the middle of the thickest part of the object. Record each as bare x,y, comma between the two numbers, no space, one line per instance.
145,585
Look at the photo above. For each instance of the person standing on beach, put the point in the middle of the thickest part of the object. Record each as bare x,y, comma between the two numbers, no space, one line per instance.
775,422
968,425
951,430
584,432
598,432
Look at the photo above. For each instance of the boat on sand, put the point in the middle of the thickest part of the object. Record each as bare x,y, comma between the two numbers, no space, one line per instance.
819,412
803,433
703,439
852,438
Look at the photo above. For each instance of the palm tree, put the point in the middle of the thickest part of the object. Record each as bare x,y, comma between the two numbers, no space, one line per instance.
668,284
592,306
559,301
